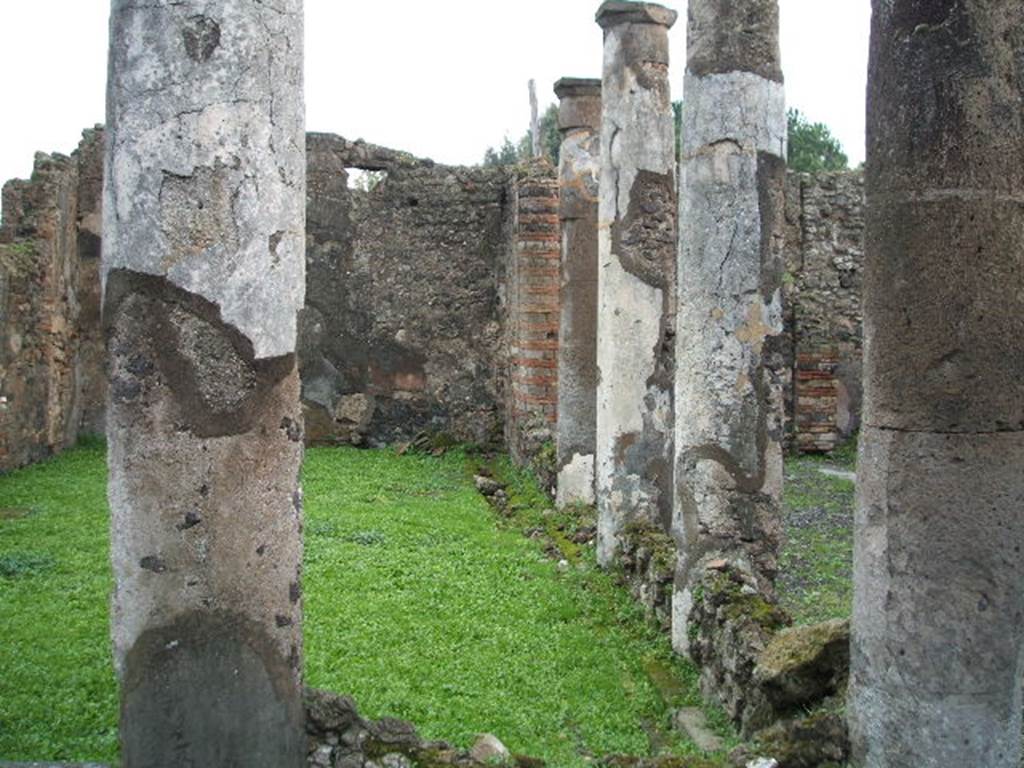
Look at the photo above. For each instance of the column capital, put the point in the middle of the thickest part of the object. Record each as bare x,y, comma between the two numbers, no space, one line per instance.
615,12
579,103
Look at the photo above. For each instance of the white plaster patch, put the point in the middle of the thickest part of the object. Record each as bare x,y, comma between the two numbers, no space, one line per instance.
682,605
237,117
637,135
576,481
578,160
737,106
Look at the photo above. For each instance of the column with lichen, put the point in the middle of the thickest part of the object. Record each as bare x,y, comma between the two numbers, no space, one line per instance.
636,275
203,266
579,120
728,428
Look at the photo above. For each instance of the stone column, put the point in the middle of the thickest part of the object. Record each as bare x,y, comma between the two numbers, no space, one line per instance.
636,274
728,428
203,232
579,119
938,570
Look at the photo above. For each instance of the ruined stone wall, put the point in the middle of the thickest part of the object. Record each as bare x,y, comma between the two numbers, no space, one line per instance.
824,260
533,319
432,303
402,328
51,386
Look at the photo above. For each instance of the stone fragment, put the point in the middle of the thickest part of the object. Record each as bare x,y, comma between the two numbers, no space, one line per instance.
487,486
328,712
805,664
487,748
355,410
819,739
321,756
392,735
693,723
636,274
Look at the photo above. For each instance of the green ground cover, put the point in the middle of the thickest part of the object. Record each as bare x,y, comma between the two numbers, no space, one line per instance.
816,563
420,601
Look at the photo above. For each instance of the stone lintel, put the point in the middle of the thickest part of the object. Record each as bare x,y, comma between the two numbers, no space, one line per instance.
615,12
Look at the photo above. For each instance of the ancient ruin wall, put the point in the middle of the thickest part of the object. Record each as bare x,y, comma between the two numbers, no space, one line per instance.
423,267
824,261
402,328
51,384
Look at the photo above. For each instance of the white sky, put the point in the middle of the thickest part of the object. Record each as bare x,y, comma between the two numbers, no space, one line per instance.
442,79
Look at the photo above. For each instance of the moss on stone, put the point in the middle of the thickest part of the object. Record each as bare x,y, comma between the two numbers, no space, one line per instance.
802,646
545,463
818,740
640,535
739,606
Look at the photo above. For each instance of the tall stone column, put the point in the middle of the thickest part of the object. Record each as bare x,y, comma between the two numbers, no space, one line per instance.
728,428
636,274
203,240
938,636
579,119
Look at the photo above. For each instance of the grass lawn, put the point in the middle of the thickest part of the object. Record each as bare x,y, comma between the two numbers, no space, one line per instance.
419,600
816,564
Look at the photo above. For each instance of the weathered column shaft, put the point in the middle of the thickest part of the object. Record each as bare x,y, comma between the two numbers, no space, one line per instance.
579,119
203,241
636,274
938,601
728,427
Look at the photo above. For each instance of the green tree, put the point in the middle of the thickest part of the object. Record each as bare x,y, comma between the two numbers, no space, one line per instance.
812,147
506,154
521,151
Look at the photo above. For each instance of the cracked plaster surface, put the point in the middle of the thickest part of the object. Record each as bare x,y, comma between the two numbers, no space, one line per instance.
206,165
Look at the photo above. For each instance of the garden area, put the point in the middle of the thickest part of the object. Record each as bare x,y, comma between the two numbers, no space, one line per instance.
421,601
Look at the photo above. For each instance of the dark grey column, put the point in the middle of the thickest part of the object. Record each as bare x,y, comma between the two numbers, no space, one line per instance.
579,119
728,436
203,265
636,273
938,624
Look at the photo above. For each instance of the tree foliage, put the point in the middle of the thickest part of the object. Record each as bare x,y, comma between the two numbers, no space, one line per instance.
521,151
812,147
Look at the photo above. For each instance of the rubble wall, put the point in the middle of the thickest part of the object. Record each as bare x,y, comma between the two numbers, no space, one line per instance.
824,264
405,280
431,307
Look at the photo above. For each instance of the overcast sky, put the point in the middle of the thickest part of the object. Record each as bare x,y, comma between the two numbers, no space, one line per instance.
442,79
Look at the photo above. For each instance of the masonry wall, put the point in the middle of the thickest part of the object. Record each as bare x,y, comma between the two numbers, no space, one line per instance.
432,304
402,329
824,263
50,390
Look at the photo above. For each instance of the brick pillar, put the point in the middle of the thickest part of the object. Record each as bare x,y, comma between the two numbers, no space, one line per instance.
579,119
636,274
533,310
816,391
937,647
203,264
